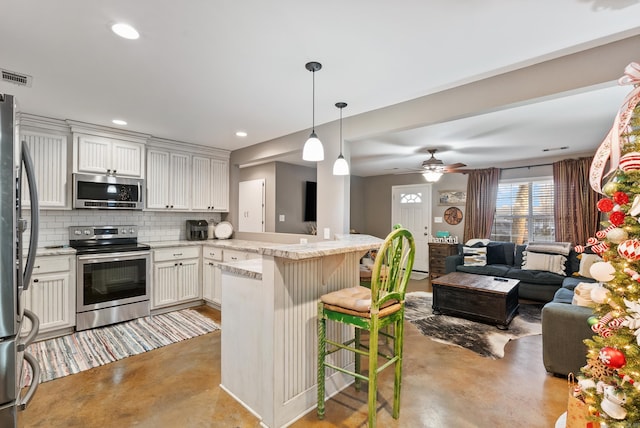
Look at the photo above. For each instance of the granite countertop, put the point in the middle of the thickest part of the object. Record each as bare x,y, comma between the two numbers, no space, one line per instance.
57,251
231,244
251,268
343,244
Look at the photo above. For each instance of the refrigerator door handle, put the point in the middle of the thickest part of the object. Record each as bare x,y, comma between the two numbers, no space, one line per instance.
35,381
35,329
35,215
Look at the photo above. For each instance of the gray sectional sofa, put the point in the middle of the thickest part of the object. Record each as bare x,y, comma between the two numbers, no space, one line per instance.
504,259
564,329
564,325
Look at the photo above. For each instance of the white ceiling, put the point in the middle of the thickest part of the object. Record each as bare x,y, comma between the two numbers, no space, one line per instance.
202,70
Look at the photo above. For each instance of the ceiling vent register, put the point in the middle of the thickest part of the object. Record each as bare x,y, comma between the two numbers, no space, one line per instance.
16,78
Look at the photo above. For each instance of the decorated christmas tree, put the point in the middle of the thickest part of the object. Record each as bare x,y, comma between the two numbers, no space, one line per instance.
610,381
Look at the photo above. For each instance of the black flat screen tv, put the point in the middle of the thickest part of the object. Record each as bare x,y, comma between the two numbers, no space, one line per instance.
310,196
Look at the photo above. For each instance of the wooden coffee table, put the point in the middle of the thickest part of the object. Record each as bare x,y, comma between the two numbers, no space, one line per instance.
489,299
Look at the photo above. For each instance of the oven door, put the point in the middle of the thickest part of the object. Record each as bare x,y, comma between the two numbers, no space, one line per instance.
112,279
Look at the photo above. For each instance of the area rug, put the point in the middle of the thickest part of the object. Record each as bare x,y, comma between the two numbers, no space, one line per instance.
87,349
419,276
483,339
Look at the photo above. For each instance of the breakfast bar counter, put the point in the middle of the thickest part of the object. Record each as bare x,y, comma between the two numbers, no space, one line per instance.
269,329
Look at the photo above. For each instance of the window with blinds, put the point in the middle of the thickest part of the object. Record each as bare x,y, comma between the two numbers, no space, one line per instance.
524,211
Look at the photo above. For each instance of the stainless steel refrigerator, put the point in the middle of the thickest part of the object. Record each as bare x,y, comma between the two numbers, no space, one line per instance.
15,273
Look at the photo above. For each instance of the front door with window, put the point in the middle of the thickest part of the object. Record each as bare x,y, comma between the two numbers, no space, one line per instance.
411,207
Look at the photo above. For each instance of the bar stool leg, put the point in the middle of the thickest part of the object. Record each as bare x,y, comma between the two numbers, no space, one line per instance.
373,369
398,346
322,350
357,382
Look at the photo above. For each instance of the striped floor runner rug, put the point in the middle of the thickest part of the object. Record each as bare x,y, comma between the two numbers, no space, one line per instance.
84,350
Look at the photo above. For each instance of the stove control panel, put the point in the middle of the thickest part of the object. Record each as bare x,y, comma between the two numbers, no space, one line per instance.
102,232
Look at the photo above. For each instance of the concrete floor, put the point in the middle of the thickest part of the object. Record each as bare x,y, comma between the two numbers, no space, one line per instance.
178,386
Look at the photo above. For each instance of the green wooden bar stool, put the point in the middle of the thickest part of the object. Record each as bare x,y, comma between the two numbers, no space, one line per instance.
370,309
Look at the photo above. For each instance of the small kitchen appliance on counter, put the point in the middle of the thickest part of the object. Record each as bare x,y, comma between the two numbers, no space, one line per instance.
197,230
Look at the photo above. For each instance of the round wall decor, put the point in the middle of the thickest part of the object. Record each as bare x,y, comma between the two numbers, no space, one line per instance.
453,215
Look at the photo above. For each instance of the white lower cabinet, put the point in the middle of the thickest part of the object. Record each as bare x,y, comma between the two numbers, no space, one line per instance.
212,274
52,294
176,276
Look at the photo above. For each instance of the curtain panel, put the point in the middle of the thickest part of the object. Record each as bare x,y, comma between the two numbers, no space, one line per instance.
480,208
575,203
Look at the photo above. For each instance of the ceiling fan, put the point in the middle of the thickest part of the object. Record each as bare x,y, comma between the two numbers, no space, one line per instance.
433,168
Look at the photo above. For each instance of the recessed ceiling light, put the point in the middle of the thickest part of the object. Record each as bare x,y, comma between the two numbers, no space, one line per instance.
241,134
125,30
119,122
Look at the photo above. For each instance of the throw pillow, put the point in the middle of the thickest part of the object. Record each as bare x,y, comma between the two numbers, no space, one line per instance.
586,260
496,255
548,262
582,294
563,248
475,256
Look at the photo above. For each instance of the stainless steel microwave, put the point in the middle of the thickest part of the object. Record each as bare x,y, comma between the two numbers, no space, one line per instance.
107,192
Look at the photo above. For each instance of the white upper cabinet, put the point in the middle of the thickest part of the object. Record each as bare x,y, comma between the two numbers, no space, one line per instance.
102,155
49,154
210,184
168,180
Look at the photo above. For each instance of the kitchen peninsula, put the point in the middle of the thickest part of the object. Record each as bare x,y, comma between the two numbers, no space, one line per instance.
269,331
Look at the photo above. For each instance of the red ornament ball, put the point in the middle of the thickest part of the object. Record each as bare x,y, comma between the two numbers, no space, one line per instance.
605,205
620,198
616,218
630,249
612,357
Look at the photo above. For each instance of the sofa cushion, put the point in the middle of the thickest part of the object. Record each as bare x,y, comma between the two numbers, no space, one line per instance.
492,270
535,276
563,295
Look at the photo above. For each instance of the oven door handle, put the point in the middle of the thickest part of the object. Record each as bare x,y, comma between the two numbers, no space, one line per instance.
96,258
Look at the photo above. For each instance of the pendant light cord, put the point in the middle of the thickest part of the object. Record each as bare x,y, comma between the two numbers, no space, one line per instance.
313,100
340,131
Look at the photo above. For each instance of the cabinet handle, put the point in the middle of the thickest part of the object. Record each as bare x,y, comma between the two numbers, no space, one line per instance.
36,280
114,171
36,267
234,258
108,171
166,206
171,206
180,263
210,264
175,264
177,254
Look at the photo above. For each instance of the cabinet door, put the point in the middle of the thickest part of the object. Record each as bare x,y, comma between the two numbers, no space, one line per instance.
189,279
179,184
126,158
49,297
220,183
94,154
49,154
211,278
157,180
165,284
201,187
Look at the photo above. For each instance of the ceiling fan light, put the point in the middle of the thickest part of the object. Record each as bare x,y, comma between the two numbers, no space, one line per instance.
432,176
340,166
313,150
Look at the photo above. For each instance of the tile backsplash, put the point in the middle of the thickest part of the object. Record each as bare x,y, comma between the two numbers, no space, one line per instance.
152,226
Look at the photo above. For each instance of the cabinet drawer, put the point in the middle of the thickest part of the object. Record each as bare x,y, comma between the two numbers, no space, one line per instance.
233,255
212,253
177,253
51,264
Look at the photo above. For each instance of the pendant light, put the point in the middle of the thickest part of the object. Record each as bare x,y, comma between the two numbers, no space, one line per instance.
341,167
313,150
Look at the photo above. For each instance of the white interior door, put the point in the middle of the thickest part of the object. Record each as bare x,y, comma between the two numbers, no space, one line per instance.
411,207
251,206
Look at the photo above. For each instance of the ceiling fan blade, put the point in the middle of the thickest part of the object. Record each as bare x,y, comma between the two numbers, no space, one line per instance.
455,166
